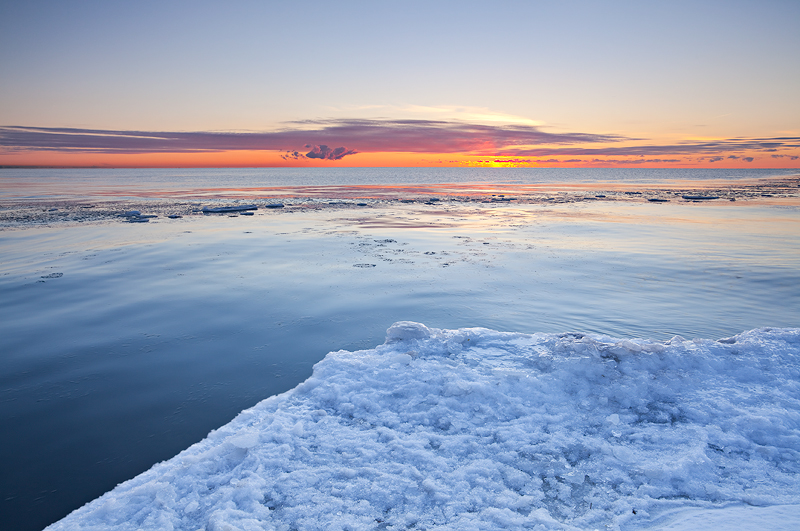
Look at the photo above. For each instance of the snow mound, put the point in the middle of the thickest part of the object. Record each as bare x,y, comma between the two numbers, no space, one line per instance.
479,429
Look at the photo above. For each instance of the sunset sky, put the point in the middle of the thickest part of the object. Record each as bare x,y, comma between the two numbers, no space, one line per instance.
540,84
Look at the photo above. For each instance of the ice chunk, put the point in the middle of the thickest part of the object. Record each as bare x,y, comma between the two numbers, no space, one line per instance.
403,330
245,440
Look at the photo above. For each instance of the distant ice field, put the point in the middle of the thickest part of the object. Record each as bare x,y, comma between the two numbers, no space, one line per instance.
479,429
122,344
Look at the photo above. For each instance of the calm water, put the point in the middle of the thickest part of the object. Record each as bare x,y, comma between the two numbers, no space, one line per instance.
123,344
215,182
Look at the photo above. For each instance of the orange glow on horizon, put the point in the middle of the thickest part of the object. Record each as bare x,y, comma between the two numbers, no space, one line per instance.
250,159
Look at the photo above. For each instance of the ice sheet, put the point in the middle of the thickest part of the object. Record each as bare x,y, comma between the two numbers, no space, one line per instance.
478,429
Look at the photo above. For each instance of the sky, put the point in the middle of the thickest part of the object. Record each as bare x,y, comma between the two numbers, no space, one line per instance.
540,84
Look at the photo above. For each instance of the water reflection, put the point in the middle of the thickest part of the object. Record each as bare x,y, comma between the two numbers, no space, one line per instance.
382,183
157,333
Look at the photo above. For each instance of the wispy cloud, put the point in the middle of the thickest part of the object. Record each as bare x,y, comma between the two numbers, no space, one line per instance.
715,147
468,114
458,113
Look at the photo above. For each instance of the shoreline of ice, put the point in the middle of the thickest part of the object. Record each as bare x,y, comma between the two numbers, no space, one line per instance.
478,429
75,205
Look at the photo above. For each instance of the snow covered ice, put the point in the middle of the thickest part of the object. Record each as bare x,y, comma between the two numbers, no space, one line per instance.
478,429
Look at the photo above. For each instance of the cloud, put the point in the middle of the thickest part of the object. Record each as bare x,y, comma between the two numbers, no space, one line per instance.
465,114
716,159
292,155
747,159
324,152
635,161
437,136
310,139
609,161
790,157
458,113
412,136
688,147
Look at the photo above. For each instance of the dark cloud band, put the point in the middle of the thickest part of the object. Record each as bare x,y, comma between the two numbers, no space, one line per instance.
415,136
410,136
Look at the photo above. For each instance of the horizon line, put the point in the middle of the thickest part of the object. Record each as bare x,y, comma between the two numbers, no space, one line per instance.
621,167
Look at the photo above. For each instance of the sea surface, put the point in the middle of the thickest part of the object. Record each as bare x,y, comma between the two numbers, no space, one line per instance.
124,343
200,183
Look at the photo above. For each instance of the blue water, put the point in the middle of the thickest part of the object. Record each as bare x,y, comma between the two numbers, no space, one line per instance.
156,333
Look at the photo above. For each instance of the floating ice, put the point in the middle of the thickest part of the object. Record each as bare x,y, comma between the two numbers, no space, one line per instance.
478,429
236,208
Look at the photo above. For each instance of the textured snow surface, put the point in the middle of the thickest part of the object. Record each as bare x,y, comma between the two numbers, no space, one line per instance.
477,429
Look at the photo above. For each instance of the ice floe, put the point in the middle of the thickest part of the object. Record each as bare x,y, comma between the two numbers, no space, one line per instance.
479,429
